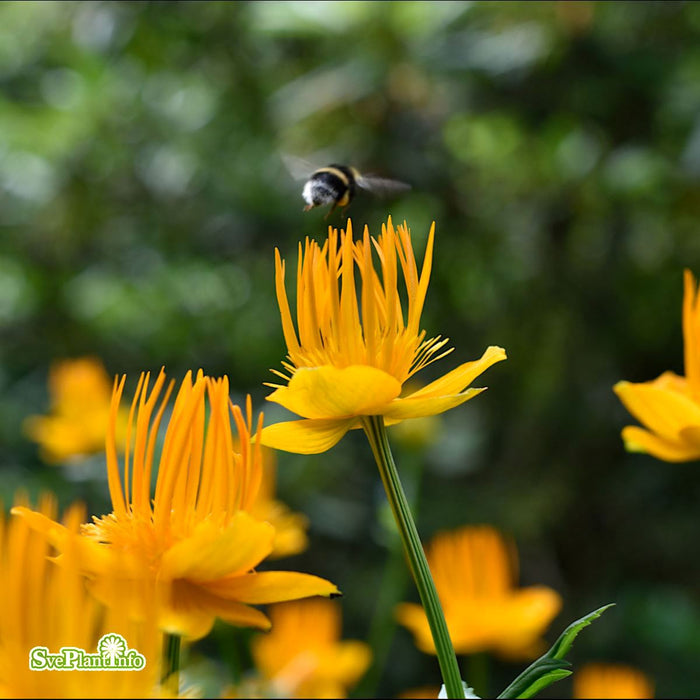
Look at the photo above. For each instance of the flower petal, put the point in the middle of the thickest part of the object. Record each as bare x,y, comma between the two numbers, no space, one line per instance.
640,440
290,527
511,624
661,410
459,378
346,662
94,557
271,587
211,552
412,616
57,534
181,607
401,409
331,392
306,437
520,623
193,609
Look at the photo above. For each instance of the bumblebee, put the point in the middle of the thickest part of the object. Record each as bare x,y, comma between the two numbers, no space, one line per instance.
337,184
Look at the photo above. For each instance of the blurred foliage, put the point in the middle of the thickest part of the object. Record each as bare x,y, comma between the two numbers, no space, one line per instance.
557,147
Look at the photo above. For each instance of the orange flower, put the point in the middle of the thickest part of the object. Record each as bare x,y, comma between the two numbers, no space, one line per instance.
195,540
46,604
350,357
81,394
474,570
601,680
303,656
669,406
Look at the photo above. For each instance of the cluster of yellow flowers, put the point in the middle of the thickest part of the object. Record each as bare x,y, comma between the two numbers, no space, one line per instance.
170,560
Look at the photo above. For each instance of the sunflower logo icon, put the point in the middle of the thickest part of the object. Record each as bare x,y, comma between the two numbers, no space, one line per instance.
110,647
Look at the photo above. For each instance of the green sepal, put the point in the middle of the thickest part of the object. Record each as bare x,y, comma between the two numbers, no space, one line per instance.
552,666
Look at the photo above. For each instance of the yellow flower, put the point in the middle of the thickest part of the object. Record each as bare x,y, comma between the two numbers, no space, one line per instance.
195,540
669,406
303,656
601,680
418,434
43,603
352,352
290,527
475,573
81,394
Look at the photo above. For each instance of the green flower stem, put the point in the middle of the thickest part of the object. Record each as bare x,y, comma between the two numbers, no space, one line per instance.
170,676
376,434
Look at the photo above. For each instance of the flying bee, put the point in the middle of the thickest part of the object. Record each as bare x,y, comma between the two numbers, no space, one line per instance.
337,184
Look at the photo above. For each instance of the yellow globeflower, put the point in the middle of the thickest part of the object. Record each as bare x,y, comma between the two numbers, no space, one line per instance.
303,657
602,680
195,540
80,393
290,527
475,573
351,351
46,604
669,406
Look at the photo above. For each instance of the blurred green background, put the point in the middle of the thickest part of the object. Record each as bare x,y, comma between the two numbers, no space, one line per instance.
557,148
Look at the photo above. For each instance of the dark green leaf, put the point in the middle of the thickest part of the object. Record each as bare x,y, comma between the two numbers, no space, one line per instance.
566,639
551,666
544,681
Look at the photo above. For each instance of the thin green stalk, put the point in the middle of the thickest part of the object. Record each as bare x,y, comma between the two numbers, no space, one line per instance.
170,677
376,434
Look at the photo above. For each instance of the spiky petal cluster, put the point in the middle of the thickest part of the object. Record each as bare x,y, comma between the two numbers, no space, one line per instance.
44,603
195,539
353,349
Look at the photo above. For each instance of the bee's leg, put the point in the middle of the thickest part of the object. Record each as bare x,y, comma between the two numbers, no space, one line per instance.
331,210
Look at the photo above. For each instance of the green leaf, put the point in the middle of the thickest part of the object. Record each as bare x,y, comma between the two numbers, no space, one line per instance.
544,681
536,676
566,639
552,666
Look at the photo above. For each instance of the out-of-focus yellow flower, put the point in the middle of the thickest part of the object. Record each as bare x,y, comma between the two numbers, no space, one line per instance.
669,406
81,393
475,573
248,688
603,680
290,527
44,603
303,657
352,352
419,433
195,540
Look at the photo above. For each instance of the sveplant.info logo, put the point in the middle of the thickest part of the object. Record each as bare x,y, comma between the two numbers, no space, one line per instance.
113,654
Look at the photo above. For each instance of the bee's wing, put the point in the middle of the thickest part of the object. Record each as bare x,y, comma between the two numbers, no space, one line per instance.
298,168
381,186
